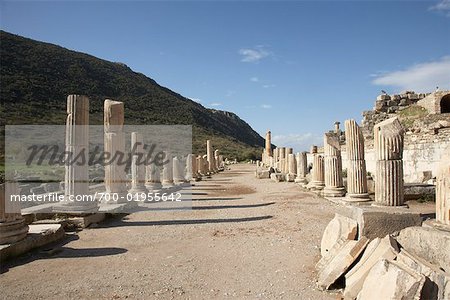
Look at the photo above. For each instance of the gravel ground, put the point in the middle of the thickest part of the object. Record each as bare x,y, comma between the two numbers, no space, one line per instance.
244,238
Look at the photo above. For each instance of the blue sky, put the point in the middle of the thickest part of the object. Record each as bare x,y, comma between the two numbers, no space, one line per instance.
292,67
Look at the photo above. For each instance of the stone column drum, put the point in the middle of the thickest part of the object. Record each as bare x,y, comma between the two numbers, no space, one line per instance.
76,180
115,176
302,167
137,164
317,173
443,190
334,185
356,171
388,143
12,225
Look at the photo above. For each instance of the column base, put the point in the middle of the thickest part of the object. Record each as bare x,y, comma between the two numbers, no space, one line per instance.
316,185
76,207
376,204
357,197
300,180
11,232
334,191
153,187
290,177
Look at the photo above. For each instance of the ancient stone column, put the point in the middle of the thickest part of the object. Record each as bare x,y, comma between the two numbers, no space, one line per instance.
356,171
268,144
199,160
221,163
153,178
443,189
286,162
168,171
178,171
216,159
275,157
210,156
12,225
282,159
334,185
336,127
302,167
292,168
190,168
115,176
76,181
137,164
206,166
388,143
317,173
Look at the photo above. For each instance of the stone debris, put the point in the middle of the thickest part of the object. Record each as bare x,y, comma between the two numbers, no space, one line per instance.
339,227
385,248
391,280
339,260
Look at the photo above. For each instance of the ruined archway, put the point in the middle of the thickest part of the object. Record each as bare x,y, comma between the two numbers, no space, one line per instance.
445,104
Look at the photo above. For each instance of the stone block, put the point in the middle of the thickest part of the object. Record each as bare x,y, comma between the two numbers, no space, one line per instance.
290,177
385,248
390,280
437,282
383,97
38,236
431,244
335,265
277,177
262,174
377,221
339,227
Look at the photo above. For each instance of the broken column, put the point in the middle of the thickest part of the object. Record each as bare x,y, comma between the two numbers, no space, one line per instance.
178,171
388,143
216,159
302,167
356,170
282,159
210,156
292,168
12,225
168,171
317,172
334,185
190,168
268,144
286,162
137,164
153,178
76,182
115,176
443,189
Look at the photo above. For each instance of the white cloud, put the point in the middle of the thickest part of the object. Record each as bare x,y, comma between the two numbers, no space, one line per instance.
300,142
254,79
422,77
442,7
253,54
214,104
266,106
266,86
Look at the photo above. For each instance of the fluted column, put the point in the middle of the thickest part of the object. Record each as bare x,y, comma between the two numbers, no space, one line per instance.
443,189
137,164
268,144
282,159
168,171
356,171
76,181
12,225
302,167
291,168
317,173
388,142
115,176
286,162
334,185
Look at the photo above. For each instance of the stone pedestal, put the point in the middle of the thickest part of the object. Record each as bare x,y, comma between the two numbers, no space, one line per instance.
443,190
356,171
168,171
302,168
388,143
12,224
115,176
76,182
334,186
137,164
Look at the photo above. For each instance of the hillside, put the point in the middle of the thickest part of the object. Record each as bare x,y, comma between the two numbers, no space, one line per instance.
36,78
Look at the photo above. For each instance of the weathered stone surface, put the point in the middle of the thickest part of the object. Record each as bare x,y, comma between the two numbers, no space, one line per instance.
385,248
337,265
443,190
437,282
429,243
339,227
12,225
317,173
278,177
137,167
388,143
334,185
391,280
268,148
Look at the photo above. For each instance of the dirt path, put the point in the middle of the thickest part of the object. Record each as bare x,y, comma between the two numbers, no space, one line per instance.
244,238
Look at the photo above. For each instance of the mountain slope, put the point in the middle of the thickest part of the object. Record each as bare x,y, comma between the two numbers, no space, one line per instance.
36,78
